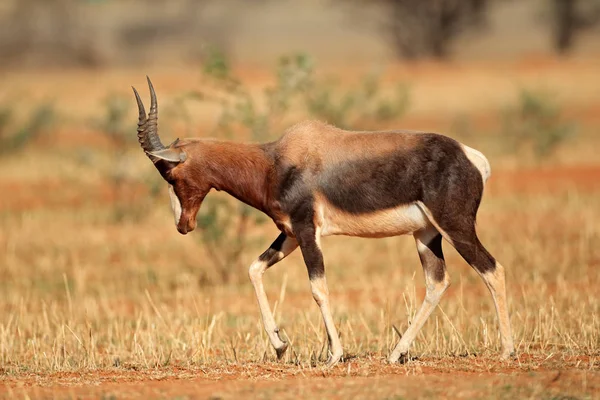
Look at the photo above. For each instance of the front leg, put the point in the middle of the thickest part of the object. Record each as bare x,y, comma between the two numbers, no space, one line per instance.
280,248
309,242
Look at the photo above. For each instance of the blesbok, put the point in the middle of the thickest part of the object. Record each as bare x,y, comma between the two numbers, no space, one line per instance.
318,180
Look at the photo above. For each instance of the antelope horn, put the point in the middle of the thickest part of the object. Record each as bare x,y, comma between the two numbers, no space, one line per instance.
147,130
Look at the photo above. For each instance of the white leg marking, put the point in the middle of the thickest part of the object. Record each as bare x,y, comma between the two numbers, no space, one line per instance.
496,283
256,271
434,292
320,293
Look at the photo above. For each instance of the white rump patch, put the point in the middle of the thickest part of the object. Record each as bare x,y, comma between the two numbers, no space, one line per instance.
175,204
480,162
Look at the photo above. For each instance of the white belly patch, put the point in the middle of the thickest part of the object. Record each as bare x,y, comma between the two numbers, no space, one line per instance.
175,204
396,221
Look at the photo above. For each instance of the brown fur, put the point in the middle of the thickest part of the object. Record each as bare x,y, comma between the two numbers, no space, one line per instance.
242,170
318,144
247,171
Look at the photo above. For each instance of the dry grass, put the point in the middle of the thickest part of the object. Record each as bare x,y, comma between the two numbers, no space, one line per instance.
83,293
88,299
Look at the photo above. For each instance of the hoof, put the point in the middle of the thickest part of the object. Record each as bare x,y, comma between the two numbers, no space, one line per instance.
508,355
402,359
281,351
333,359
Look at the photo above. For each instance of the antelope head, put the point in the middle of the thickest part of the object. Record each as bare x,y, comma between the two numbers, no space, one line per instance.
186,188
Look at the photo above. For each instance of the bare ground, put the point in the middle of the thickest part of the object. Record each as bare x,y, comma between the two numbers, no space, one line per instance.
361,377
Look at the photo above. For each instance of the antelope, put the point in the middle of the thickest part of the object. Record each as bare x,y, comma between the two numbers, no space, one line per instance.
317,180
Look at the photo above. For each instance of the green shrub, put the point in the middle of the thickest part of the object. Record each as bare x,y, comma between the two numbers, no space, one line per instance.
536,124
16,134
297,91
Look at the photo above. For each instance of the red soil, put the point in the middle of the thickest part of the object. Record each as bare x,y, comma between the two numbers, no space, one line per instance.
460,377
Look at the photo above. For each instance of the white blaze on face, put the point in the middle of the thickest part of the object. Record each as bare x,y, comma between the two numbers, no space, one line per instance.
175,204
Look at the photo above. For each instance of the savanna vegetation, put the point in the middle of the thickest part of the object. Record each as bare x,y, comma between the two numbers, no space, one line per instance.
97,286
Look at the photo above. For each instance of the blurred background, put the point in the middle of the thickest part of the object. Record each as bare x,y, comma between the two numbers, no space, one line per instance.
86,236
109,33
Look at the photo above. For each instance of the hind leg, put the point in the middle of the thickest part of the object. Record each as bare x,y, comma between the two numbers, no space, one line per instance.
429,246
470,248
496,283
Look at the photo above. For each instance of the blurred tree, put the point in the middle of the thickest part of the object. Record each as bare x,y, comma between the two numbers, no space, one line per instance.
569,17
421,28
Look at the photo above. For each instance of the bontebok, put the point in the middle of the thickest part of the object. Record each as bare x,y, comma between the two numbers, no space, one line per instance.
318,180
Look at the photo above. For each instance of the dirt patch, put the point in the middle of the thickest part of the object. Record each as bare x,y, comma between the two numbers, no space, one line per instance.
460,377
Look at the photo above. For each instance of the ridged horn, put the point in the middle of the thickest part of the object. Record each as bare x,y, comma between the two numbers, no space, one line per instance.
147,130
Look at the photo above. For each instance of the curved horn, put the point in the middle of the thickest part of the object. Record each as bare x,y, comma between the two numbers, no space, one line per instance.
147,130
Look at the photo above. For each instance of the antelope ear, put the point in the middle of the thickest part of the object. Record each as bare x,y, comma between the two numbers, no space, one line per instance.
175,155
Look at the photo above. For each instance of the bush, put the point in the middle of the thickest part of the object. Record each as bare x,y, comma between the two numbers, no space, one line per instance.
536,124
14,134
297,92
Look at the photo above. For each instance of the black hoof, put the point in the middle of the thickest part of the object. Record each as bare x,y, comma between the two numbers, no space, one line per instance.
403,358
281,351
